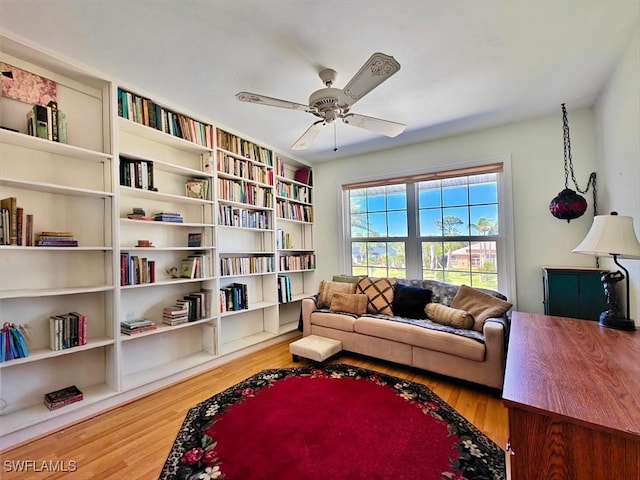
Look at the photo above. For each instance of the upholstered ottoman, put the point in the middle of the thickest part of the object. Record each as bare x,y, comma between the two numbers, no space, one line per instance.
315,348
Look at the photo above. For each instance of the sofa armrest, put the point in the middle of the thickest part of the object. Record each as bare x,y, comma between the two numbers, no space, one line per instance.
308,306
496,335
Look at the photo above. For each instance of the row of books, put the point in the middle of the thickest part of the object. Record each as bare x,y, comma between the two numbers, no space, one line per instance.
136,270
137,325
15,227
63,397
294,211
194,266
243,192
137,173
283,239
146,112
234,297
48,122
293,191
67,330
193,306
242,168
241,217
284,289
246,265
244,148
305,261
301,175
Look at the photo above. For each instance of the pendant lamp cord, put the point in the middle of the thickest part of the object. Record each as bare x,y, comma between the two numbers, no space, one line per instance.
568,169
568,165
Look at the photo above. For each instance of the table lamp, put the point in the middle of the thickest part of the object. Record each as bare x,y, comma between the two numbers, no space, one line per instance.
612,236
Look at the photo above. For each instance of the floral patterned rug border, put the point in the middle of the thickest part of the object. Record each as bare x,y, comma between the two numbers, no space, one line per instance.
193,455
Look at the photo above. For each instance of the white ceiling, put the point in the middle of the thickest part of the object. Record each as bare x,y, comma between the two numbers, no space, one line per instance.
465,65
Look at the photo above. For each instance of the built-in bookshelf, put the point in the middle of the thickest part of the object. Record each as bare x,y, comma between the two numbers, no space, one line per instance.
246,253
296,259
167,248
152,214
66,189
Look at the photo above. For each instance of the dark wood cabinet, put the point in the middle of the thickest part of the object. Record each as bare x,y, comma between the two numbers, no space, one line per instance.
574,292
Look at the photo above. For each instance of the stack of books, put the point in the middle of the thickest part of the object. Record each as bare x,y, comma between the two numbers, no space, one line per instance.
56,239
168,217
131,327
138,214
62,397
175,314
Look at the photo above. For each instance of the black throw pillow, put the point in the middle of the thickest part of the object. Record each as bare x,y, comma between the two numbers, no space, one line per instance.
409,302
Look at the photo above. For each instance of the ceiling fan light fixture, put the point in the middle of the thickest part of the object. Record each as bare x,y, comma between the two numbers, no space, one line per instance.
330,103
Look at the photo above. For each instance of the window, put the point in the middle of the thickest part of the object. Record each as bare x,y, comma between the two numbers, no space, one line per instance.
443,226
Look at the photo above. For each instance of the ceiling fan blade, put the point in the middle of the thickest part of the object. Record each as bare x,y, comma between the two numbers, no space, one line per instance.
376,125
309,136
270,101
375,71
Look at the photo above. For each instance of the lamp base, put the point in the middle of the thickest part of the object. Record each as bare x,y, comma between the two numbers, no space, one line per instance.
619,323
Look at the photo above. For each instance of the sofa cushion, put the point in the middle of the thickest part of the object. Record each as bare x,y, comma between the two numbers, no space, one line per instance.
327,289
421,337
448,316
329,319
355,303
479,304
409,301
379,292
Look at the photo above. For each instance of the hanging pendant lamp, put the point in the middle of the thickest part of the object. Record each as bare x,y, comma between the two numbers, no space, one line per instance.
568,204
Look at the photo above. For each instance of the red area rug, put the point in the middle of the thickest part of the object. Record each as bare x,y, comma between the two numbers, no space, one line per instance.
330,422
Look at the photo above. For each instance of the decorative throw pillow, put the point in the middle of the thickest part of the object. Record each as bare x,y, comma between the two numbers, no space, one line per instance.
379,292
448,316
348,278
355,303
409,302
480,305
327,290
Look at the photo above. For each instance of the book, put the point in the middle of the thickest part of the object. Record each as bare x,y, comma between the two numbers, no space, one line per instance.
62,127
194,240
11,205
29,231
52,112
188,268
62,397
303,175
41,129
20,225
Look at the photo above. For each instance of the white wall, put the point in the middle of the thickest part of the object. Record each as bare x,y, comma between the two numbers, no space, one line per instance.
536,150
618,131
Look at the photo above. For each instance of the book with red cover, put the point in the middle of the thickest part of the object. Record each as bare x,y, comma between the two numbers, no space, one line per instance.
62,397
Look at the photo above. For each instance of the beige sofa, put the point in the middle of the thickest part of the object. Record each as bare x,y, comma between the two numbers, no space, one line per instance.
468,354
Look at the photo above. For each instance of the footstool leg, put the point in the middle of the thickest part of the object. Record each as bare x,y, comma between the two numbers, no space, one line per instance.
295,357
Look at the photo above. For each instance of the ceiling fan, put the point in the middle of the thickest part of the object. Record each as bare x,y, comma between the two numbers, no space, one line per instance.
330,103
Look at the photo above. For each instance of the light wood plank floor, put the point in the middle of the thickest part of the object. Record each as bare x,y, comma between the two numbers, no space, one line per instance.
133,441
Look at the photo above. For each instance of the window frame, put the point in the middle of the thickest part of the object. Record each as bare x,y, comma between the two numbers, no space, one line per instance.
504,240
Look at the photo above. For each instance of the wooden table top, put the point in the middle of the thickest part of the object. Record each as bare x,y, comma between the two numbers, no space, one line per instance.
576,370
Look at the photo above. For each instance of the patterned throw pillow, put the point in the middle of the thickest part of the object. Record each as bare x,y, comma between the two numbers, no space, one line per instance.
328,289
355,303
379,292
480,305
448,316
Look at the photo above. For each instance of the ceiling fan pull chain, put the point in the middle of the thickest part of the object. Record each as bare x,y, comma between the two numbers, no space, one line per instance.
335,138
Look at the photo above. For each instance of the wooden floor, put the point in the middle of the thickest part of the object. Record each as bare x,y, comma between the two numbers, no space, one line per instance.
133,441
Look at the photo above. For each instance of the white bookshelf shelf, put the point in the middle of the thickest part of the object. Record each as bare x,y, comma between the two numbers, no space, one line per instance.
46,353
47,146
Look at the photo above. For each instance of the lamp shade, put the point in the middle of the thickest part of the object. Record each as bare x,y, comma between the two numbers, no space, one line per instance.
611,235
